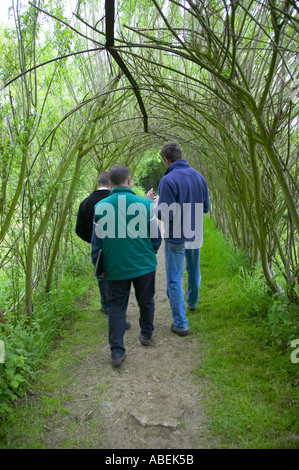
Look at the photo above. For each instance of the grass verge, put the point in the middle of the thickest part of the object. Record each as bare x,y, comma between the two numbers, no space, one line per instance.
253,398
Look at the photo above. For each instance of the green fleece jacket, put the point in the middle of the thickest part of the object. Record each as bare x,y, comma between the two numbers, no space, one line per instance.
122,229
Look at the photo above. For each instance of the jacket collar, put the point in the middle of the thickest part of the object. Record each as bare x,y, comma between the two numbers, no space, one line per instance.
121,189
177,164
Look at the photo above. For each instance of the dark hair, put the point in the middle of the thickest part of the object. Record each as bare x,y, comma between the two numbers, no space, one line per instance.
103,179
119,175
172,151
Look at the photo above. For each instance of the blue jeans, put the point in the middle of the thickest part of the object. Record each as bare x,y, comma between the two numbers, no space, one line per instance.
103,288
175,254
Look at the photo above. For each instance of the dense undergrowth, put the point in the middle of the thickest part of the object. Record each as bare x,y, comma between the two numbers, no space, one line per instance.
26,341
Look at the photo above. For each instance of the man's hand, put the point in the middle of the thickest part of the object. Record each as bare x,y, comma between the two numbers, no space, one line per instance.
151,195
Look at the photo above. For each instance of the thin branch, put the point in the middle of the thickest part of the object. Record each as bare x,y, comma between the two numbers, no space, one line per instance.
48,62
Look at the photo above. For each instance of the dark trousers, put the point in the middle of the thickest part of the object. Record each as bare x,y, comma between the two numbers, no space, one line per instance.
103,288
118,297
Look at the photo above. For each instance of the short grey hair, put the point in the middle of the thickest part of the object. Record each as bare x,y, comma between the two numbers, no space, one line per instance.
103,179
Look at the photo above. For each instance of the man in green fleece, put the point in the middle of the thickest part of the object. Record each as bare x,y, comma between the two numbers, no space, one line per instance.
126,230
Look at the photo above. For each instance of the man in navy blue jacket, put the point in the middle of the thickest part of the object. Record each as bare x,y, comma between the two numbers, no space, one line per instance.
183,198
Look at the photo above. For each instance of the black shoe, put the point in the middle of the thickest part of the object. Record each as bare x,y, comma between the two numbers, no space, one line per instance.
116,361
179,332
191,308
144,341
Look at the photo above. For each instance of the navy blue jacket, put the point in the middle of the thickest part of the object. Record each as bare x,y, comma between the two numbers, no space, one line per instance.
185,186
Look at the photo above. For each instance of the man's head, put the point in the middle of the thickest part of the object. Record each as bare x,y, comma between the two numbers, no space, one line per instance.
120,176
171,152
103,180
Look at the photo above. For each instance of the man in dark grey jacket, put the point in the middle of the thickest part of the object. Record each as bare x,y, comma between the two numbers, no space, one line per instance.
84,224
86,209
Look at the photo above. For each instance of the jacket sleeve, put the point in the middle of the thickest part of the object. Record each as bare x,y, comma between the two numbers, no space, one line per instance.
81,226
166,199
96,244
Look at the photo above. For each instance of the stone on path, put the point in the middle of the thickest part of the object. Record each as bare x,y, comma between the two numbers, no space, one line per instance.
149,414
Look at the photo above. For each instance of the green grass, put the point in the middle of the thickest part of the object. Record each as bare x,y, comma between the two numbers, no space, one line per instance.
253,399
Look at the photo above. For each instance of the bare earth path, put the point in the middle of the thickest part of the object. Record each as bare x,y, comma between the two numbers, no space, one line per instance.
151,402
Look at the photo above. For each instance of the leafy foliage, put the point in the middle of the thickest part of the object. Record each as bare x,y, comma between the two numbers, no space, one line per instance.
219,77
27,343
149,172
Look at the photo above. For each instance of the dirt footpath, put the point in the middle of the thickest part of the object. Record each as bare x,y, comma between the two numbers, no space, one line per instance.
150,402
